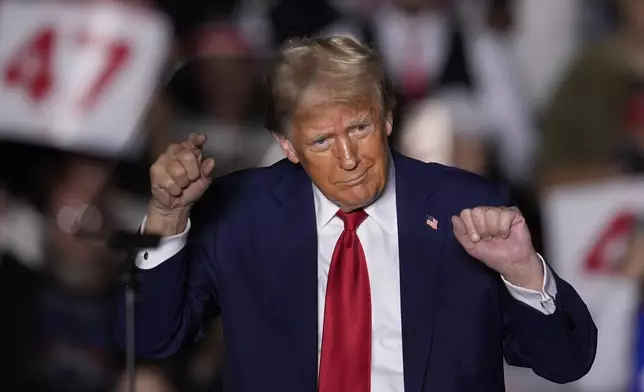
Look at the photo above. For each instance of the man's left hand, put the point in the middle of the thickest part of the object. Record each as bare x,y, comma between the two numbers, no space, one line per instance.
499,237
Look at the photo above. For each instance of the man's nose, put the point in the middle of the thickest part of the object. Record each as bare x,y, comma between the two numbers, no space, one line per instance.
347,154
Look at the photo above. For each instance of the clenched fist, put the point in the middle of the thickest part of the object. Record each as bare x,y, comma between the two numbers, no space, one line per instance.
178,179
499,237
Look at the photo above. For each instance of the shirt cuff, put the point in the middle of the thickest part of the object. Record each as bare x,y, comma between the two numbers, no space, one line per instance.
168,247
544,300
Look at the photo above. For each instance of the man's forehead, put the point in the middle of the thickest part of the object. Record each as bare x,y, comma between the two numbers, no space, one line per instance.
329,117
334,109
325,95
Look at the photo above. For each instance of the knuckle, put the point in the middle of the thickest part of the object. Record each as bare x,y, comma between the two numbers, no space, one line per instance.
186,156
174,147
486,210
157,171
177,170
169,183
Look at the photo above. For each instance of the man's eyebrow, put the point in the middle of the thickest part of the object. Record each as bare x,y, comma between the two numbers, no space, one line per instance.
366,117
318,136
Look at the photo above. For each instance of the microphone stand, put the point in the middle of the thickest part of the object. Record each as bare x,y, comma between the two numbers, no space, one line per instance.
132,244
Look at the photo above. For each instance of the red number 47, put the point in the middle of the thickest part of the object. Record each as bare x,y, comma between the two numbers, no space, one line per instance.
31,67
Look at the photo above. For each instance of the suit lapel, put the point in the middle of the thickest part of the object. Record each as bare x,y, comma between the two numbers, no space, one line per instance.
420,250
294,284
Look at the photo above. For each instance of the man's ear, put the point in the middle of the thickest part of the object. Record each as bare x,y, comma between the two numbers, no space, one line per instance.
389,124
286,146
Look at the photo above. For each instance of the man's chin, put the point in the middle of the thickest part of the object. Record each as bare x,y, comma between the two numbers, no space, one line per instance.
354,203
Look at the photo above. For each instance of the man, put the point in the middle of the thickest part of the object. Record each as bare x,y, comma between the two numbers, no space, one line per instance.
349,267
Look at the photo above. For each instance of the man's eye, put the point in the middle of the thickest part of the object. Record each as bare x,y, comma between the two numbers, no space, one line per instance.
363,127
319,141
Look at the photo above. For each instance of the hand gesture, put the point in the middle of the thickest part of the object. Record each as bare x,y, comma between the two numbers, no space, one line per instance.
180,176
499,237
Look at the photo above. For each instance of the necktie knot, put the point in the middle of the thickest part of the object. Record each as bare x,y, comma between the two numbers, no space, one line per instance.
352,219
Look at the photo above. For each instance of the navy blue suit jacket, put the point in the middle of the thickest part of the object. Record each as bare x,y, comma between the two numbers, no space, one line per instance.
255,264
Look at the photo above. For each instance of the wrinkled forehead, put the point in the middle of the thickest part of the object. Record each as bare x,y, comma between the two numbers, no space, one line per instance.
323,105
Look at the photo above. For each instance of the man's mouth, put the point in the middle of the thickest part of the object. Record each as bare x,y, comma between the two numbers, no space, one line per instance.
355,180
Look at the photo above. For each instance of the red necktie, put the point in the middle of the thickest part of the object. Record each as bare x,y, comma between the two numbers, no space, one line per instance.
345,362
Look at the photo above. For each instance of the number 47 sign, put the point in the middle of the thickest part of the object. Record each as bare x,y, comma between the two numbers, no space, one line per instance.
78,75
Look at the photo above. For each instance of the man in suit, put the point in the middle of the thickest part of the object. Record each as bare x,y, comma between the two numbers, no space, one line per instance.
347,266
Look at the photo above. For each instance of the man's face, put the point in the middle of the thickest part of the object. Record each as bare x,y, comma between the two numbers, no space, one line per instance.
343,148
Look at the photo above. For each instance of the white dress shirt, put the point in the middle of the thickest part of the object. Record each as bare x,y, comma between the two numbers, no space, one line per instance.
378,235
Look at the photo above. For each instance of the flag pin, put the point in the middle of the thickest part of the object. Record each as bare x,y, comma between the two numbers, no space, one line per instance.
431,222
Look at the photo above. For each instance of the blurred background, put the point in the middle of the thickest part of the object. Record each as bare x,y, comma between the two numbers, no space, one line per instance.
544,95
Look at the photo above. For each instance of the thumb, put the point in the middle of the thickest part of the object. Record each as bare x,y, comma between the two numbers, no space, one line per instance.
460,230
207,168
517,217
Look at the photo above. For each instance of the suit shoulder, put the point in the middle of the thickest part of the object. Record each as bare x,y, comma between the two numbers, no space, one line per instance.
239,191
262,177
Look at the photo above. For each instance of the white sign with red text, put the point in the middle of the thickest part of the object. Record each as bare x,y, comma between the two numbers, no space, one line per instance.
589,232
78,75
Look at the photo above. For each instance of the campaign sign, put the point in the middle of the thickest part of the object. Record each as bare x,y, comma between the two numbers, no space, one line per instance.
593,234
78,75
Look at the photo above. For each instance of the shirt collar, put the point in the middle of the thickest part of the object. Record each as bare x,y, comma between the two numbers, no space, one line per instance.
383,210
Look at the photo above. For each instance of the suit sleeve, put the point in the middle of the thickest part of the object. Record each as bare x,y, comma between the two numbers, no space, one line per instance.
173,301
177,296
560,346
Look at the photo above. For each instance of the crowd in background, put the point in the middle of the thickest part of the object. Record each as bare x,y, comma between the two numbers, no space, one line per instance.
535,93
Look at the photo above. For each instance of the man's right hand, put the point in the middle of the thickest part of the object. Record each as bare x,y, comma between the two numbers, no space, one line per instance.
178,179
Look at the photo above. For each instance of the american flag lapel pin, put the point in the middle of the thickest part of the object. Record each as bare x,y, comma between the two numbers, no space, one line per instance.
431,222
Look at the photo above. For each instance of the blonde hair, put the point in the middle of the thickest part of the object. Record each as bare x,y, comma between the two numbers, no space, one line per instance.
340,64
